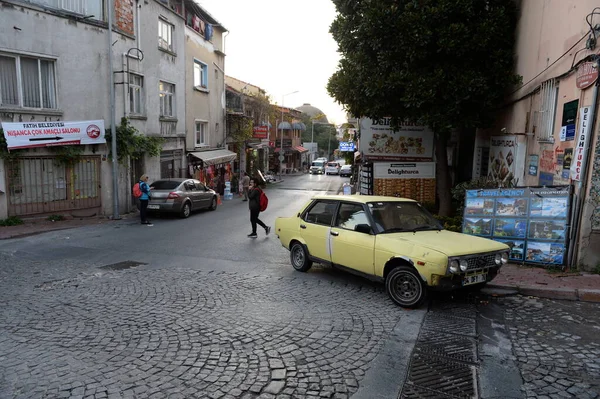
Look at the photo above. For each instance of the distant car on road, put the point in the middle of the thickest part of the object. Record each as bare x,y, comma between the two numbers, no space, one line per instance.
392,240
181,196
346,170
317,167
332,168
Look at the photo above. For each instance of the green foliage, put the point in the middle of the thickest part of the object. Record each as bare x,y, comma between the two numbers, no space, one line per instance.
322,134
4,153
241,128
11,221
55,218
444,63
133,145
451,223
67,155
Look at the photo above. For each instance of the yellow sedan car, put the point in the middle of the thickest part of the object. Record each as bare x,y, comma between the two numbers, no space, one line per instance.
393,240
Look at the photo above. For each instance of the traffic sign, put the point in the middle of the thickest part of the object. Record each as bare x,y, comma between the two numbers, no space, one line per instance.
281,158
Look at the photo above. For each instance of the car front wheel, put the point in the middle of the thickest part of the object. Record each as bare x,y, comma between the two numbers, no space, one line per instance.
405,287
299,257
213,204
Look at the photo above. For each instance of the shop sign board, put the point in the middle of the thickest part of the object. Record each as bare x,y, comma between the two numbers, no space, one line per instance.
533,164
505,154
587,74
48,134
346,146
567,130
260,132
378,141
532,221
404,170
578,162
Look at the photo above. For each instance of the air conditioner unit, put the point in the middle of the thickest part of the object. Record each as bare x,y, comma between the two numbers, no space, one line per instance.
202,146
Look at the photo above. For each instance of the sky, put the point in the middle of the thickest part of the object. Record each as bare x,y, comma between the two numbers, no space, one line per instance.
281,46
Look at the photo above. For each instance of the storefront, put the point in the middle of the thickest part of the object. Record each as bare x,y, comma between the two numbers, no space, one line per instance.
213,168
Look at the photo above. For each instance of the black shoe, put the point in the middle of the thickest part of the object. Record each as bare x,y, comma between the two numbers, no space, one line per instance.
268,229
252,235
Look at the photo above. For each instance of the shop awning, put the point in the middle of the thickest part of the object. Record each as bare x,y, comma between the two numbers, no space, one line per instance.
215,157
300,149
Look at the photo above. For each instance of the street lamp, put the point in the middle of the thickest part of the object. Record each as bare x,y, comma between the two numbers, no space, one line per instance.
281,156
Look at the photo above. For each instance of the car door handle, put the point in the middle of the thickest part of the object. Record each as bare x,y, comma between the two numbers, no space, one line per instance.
334,233
302,226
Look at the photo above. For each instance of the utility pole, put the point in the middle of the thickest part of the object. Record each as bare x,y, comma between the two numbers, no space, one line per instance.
113,130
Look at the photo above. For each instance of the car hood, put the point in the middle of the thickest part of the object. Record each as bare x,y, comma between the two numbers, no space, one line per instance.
446,242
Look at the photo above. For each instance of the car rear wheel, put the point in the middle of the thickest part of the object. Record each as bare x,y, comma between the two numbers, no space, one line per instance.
299,257
405,287
213,204
186,211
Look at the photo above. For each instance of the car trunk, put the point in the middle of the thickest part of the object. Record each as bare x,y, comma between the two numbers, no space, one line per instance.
159,196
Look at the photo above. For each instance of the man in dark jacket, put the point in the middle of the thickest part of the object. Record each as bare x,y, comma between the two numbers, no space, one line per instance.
254,205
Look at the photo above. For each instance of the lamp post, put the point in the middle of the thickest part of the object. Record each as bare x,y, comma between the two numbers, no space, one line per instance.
281,145
113,133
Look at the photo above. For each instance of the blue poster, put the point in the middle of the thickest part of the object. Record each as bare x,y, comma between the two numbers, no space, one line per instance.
546,179
532,221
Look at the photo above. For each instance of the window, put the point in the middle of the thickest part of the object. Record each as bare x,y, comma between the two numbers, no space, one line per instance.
549,94
166,92
89,8
27,82
165,35
351,215
321,213
136,94
200,74
201,133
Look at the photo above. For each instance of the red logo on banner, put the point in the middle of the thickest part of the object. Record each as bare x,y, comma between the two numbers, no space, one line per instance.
93,131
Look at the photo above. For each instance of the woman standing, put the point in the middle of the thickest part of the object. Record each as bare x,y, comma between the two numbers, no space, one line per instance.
145,189
254,193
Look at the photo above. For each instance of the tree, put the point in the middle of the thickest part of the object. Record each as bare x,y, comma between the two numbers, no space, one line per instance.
446,64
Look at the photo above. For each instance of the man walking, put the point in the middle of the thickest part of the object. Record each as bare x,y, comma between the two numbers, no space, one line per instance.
145,189
254,194
245,185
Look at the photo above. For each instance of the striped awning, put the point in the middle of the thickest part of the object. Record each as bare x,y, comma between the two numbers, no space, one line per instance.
215,157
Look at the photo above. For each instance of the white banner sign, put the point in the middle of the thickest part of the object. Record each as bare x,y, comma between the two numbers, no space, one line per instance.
47,134
404,170
578,162
379,141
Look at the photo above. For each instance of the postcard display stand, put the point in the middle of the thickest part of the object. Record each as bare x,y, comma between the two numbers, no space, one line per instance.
532,221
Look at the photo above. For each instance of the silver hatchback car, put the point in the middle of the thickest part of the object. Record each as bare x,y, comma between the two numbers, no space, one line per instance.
182,196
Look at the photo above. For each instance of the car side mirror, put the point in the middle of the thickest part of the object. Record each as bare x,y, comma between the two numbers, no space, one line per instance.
363,228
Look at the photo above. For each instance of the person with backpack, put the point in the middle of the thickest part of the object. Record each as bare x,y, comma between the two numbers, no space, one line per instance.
257,203
142,192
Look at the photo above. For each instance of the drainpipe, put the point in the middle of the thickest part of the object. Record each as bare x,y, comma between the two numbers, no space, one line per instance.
582,184
113,129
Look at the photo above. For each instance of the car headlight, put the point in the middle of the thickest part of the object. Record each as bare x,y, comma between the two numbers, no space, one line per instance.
454,266
464,265
504,257
498,259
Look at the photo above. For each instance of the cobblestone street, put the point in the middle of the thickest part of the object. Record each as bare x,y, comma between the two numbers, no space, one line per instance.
556,346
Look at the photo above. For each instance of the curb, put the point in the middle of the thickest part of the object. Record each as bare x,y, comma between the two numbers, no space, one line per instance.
570,294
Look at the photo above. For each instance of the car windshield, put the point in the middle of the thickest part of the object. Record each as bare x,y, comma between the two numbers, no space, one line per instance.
332,165
346,167
317,163
165,185
394,217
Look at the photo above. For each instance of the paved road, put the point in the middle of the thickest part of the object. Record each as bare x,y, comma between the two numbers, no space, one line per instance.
193,308
208,313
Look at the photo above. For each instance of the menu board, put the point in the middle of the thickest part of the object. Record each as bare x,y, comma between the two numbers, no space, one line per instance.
366,179
532,221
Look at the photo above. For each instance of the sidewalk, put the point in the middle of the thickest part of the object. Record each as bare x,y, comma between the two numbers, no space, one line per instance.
537,281
42,225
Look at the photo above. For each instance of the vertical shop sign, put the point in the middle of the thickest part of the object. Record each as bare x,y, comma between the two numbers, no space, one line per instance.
578,162
567,131
533,165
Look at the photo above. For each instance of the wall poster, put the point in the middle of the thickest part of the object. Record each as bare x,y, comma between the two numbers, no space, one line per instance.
532,221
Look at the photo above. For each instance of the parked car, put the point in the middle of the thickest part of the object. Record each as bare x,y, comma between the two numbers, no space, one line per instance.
346,170
317,167
332,168
181,196
392,240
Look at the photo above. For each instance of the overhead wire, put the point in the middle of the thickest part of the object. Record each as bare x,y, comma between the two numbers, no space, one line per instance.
589,20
